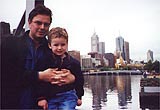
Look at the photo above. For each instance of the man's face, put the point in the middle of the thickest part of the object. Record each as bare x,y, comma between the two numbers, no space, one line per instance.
39,26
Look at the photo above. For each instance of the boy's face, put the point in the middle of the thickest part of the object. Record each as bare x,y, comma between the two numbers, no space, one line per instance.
39,26
59,46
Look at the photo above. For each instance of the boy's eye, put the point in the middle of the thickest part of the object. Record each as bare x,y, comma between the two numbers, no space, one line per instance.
55,44
63,44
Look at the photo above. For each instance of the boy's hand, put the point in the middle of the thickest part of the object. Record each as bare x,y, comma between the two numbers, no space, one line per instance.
79,102
43,104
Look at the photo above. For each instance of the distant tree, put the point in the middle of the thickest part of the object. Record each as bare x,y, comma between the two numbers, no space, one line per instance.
127,68
156,66
148,66
152,66
105,69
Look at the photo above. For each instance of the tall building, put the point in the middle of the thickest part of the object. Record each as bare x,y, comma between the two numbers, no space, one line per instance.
150,55
120,47
126,49
94,43
97,46
102,48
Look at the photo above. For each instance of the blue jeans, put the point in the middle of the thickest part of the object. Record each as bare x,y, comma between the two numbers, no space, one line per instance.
63,101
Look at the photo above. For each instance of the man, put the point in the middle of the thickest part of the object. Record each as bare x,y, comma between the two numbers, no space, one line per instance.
19,57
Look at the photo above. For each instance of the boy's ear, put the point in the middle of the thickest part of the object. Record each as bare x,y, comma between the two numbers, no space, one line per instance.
49,45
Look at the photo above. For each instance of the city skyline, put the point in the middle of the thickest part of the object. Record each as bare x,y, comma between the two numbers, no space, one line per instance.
136,21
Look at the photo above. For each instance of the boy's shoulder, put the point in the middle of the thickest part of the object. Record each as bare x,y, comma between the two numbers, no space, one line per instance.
73,59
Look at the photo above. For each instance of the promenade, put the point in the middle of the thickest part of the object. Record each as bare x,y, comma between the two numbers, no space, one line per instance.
150,90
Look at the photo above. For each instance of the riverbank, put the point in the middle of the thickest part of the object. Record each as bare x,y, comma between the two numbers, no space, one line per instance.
115,72
153,75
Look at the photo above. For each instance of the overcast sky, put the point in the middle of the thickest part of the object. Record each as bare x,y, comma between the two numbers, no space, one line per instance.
137,21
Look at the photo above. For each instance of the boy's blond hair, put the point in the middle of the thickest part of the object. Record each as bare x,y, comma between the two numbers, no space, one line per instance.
57,32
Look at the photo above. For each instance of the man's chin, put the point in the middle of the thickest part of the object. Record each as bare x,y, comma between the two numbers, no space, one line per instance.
39,38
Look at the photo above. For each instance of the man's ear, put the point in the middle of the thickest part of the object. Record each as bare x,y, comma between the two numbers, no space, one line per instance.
29,21
49,45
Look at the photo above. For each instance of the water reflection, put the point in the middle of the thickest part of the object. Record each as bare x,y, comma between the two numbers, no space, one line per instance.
123,84
110,91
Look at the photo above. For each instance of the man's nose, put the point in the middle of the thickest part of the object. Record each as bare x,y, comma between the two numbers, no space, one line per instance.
42,26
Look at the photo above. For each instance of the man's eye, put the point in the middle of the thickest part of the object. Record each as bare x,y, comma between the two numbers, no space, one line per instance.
46,24
38,23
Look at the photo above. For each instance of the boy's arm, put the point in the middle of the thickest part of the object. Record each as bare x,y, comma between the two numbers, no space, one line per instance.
79,80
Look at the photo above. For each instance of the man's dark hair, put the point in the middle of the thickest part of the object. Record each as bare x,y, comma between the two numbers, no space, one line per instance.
40,9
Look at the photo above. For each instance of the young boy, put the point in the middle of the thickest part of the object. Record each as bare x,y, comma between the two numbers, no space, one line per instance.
61,97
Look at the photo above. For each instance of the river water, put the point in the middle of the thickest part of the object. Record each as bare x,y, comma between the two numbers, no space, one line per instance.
111,92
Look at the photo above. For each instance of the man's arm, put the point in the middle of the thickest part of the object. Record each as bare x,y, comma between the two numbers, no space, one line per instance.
47,75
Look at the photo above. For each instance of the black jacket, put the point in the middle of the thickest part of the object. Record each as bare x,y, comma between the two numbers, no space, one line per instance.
14,76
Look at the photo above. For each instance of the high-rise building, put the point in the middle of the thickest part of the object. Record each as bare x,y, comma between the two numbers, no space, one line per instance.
120,47
126,49
94,43
150,55
102,48
97,46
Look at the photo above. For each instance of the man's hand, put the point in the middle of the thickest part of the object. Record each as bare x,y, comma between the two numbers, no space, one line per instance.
47,75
